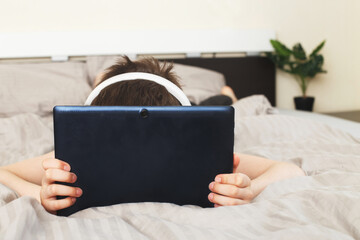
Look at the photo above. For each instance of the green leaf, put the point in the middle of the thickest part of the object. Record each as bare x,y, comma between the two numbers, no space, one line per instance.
278,60
299,52
280,49
317,49
315,65
310,68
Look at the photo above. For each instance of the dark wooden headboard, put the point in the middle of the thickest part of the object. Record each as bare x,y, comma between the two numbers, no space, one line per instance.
246,75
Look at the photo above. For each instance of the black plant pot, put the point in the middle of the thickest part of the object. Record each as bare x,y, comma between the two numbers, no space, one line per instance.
304,103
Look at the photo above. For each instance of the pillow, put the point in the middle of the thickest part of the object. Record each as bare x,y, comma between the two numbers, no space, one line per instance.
38,87
197,83
97,64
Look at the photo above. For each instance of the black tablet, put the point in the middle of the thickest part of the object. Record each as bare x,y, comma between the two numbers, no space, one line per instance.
144,154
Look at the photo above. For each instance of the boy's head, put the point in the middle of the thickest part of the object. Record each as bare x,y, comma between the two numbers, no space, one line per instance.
137,92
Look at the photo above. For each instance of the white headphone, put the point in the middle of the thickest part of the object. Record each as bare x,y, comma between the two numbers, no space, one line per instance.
170,87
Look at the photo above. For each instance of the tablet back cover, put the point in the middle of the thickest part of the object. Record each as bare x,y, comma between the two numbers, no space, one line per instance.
144,154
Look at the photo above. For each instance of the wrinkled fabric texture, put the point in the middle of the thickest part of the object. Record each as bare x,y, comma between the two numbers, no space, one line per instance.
38,87
325,204
254,105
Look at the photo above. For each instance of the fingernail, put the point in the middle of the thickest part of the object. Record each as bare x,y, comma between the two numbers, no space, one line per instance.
218,179
73,177
78,192
73,199
211,196
212,185
66,168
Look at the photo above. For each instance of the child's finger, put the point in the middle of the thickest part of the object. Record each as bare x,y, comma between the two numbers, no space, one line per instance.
238,179
53,175
55,163
236,162
225,201
231,191
54,205
54,190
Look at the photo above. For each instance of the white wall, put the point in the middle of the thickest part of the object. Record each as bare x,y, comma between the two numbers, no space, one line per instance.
307,21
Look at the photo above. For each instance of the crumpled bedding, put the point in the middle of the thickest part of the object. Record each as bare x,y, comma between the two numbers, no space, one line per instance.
325,204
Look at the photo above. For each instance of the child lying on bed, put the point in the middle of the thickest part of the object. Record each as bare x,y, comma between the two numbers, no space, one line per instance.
37,177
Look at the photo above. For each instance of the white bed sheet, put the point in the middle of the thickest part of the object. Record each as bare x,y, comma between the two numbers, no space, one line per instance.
323,205
338,123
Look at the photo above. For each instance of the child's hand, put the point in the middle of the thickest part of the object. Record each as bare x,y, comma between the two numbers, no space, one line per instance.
57,171
231,189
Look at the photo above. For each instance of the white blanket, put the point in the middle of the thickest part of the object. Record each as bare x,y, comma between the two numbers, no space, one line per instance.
323,205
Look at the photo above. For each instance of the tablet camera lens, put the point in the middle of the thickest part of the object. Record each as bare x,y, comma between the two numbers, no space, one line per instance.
144,113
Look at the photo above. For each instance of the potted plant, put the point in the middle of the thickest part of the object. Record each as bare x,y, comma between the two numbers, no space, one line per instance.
302,67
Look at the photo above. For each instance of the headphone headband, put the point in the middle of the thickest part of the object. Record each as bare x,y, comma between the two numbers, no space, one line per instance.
170,87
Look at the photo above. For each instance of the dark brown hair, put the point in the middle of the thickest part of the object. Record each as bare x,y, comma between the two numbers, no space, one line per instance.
137,92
